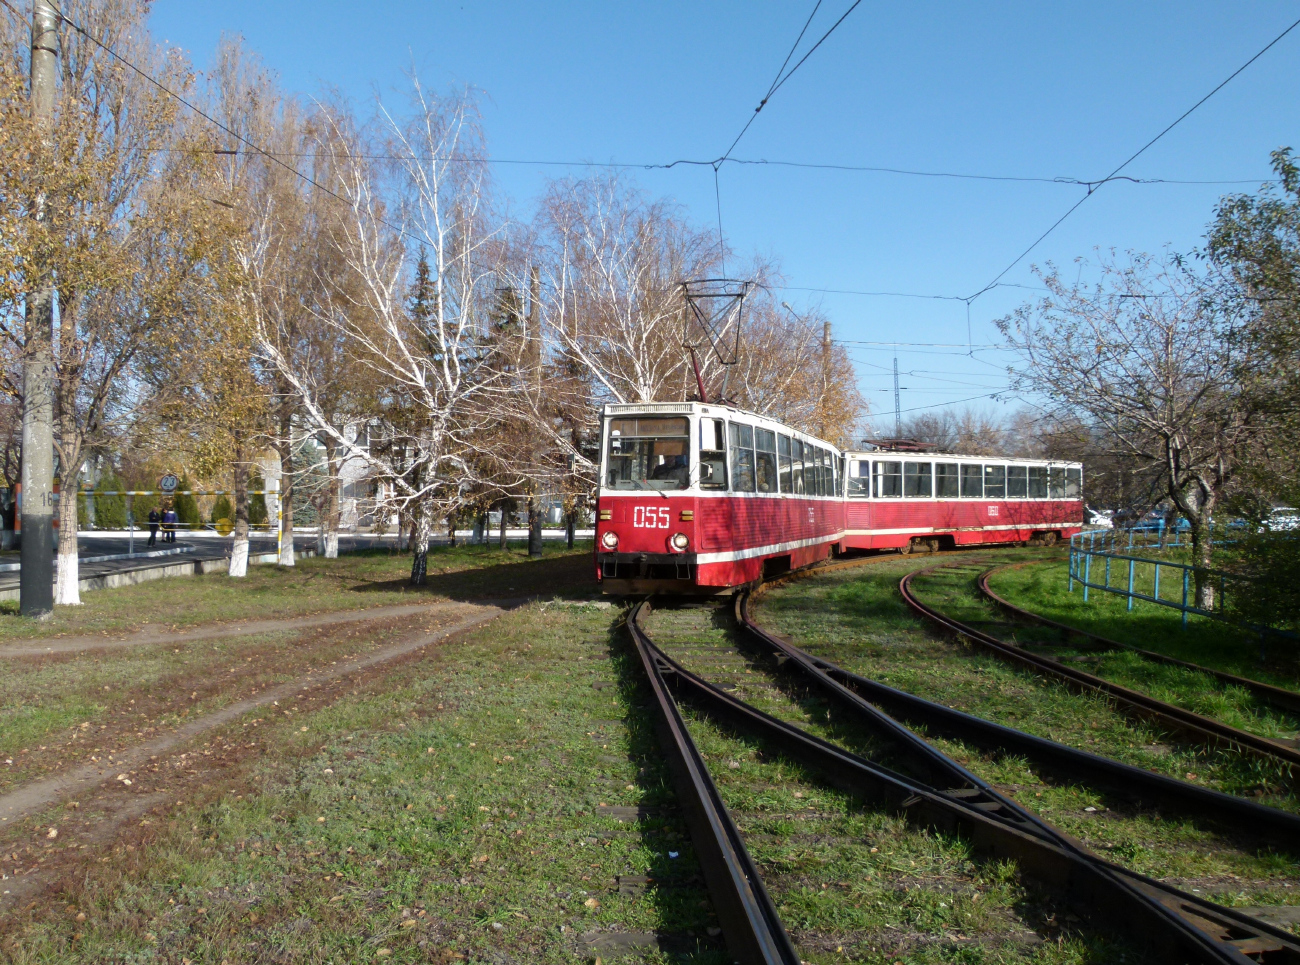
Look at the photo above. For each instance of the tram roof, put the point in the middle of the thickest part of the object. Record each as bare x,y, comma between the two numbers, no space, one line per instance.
929,455
708,408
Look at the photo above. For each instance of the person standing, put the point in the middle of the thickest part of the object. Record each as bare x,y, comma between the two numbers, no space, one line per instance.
169,521
154,520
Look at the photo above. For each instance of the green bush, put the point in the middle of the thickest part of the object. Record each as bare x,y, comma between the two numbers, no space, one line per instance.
140,505
256,504
1270,594
110,511
222,509
187,508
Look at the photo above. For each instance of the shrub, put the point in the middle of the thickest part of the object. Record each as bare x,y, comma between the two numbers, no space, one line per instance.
222,509
1270,594
187,508
256,504
110,511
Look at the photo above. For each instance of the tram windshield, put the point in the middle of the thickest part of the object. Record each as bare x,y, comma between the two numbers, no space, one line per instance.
648,453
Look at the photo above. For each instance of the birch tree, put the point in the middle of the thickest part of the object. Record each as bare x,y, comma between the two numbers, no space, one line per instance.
431,398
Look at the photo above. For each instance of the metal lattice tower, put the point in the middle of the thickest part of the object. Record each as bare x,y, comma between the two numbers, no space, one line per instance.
898,409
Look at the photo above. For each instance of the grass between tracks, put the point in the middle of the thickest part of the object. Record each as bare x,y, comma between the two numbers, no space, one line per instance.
1199,692
853,882
857,619
1044,589
449,808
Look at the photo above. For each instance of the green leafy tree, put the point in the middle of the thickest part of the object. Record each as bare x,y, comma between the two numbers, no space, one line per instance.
1255,242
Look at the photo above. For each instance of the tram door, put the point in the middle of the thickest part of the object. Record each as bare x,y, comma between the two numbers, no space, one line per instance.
858,509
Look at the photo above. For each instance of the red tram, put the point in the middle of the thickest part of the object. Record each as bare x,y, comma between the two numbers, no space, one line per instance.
697,497
702,498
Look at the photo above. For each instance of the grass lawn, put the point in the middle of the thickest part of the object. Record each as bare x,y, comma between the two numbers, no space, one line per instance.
65,708
495,798
857,619
1044,589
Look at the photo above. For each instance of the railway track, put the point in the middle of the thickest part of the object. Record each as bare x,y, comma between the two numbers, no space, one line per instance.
1134,704
932,791
1277,697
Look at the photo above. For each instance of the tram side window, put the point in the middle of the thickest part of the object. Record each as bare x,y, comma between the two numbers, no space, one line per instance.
713,454
995,482
765,459
1037,482
828,474
1055,483
1073,483
972,482
889,479
783,459
1017,482
859,478
742,458
837,475
796,464
945,480
916,480
819,454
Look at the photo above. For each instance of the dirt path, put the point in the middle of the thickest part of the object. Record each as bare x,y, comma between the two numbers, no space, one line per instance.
213,632
29,798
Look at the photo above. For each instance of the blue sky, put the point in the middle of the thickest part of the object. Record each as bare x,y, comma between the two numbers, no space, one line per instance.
1019,89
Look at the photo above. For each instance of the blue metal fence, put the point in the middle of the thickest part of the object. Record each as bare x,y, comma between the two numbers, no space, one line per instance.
1101,545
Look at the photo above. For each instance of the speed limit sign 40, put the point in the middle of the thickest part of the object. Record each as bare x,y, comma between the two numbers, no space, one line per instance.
168,483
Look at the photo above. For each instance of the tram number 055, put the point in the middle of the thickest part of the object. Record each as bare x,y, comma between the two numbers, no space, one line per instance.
651,517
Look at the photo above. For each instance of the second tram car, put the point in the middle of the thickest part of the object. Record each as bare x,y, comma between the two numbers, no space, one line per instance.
701,498
908,500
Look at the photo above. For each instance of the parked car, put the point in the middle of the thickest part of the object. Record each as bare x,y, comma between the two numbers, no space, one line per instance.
1156,522
1098,518
1281,519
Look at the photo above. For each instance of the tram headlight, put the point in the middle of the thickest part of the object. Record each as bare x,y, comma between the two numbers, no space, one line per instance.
679,542
609,540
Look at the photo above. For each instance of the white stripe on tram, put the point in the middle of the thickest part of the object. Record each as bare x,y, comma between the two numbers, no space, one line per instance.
749,554
952,529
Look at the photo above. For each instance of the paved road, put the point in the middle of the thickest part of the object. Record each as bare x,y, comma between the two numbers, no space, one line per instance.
205,546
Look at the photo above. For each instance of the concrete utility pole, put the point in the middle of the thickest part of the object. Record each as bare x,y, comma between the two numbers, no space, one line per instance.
826,376
36,579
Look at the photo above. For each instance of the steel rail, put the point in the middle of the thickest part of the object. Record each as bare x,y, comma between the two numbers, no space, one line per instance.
1131,702
1278,697
865,698
750,923
1183,928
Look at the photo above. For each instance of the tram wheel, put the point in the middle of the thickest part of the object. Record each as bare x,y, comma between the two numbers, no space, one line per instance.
906,548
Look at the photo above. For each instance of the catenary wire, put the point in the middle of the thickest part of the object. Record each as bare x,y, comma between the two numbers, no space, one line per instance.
1134,156
772,89
201,113
1063,180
